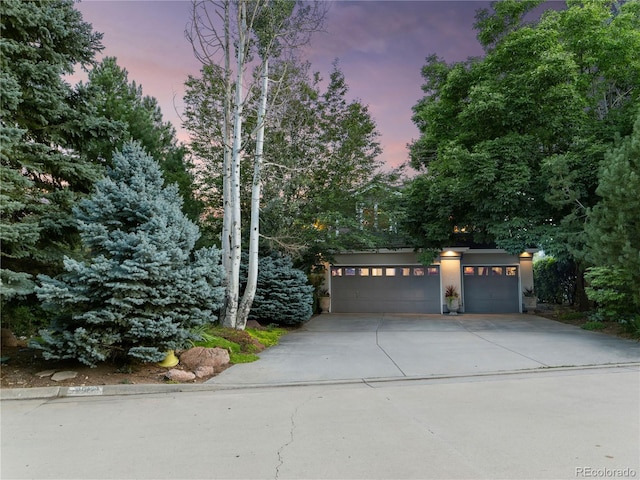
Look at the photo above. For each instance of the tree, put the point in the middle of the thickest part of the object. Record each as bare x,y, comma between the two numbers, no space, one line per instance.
283,294
139,118
43,123
141,285
613,225
265,24
511,144
322,187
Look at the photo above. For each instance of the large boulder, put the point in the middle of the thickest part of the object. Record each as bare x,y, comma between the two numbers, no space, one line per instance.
204,357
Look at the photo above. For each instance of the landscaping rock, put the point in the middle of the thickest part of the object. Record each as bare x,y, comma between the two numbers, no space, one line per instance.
204,371
200,357
253,324
179,375
45,373
66,375
7,338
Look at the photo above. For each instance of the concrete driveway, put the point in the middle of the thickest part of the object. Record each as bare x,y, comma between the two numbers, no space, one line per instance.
374,347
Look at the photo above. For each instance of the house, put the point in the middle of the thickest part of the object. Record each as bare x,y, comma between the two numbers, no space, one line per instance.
394,281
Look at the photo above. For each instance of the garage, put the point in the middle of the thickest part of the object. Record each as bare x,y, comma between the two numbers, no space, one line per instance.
392,289
491,289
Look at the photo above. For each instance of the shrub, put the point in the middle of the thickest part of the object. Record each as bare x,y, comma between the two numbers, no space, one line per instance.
611,289
593,325
22,319
555,280
283,294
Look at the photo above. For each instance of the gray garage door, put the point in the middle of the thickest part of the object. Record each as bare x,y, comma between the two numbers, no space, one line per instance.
387,289
491,289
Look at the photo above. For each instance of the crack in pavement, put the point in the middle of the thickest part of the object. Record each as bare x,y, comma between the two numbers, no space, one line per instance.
291,437
502,346
384,351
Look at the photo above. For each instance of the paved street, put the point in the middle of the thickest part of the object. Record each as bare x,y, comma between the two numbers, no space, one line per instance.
480,418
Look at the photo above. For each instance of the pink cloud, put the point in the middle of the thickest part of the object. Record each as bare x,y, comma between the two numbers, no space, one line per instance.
382,46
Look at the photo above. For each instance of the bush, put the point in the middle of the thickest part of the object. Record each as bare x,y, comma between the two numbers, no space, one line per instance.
611,289
593,325
283,294
24,317
555,281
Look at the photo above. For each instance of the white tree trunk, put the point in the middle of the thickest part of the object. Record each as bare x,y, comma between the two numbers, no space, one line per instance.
254,235
235,250
227,139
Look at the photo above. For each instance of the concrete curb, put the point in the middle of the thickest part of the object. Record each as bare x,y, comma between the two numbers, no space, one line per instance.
42,393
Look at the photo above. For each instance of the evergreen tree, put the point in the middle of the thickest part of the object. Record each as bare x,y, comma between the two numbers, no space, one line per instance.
613,226
139,118
283,294
142,286
43,121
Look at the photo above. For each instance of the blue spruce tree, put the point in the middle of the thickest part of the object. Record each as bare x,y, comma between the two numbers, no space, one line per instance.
141,286
283,293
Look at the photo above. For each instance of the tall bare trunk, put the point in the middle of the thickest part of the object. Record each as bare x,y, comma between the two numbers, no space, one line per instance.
233,281
254,235
227,134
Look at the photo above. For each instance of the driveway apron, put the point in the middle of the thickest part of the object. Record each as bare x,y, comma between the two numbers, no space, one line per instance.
350,347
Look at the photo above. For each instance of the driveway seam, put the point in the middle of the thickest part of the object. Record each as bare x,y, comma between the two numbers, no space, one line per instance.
503,347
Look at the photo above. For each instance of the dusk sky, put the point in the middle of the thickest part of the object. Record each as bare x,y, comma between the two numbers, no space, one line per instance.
381,47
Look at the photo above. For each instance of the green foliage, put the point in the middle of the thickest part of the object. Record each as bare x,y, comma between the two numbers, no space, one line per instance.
243,357
24,320
241,337
613,228
511,144
268,337
571,315
632,326
321,187
613,291
594,325
283,294
139,118
141,285
208,340
242,344
555,280
43,124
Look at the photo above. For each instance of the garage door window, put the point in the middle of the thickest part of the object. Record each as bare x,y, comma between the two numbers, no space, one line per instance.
386,271
490,271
